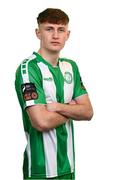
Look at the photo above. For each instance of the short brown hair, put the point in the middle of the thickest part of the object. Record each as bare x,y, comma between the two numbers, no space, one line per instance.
53,16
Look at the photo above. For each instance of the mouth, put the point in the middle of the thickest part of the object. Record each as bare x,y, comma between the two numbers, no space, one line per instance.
55,43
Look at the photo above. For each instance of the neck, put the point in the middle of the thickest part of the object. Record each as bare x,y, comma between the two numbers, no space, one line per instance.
51,57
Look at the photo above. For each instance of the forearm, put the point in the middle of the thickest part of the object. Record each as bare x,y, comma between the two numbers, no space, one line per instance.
44,120
75,111
54,119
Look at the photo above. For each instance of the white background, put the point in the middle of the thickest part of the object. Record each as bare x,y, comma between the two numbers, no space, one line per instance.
91,46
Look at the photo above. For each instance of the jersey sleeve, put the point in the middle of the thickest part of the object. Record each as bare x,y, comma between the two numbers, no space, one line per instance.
79,88
29,86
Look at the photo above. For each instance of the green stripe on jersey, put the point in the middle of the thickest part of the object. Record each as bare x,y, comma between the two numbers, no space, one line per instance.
37,153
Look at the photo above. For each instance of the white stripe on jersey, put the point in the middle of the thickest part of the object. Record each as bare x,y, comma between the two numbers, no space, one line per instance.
68,93
28,150
68,88
50,146
48,85
49,138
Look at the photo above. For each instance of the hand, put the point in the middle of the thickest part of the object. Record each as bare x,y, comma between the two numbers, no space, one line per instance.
72,102
53,106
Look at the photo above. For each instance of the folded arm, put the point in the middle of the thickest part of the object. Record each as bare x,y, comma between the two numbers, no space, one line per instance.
79,109
44,120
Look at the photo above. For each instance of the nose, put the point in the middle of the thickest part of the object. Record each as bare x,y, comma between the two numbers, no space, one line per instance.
55,34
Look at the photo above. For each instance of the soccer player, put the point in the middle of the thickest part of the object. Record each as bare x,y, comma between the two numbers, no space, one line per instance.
52,96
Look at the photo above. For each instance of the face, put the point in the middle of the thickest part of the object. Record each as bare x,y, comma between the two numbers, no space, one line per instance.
52,36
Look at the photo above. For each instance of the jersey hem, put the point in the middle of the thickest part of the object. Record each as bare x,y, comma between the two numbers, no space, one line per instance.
47,175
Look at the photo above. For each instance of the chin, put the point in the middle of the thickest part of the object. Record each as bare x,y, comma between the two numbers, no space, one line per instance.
56,49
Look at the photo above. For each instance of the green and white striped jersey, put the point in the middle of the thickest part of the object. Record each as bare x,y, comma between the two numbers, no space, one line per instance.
47,154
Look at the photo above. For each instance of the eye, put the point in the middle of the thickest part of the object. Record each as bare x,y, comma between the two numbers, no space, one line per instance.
48,29
62,30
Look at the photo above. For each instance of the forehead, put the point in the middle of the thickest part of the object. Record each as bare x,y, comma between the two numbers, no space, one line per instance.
53,25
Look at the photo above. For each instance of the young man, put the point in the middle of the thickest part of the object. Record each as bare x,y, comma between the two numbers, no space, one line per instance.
51,95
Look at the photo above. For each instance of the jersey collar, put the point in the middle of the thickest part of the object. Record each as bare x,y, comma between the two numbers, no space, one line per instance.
44,61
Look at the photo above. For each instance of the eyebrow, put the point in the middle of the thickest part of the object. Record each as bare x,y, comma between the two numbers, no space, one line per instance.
61,27
49,27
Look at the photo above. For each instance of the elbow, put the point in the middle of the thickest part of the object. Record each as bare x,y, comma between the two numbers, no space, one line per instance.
43,128
40,126
89,114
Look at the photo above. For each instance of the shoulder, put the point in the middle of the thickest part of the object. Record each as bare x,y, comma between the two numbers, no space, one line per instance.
26,63
70,61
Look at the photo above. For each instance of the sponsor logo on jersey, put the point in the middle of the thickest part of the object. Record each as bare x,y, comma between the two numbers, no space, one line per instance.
48,79
29,91
68,77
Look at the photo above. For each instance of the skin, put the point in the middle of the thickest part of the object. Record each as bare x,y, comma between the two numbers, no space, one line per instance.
46,117
78,109
52,39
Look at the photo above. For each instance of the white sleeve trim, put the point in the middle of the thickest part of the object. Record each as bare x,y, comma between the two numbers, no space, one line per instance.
31,103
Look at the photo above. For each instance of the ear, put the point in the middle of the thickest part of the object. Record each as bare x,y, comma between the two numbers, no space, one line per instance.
38,34
68,35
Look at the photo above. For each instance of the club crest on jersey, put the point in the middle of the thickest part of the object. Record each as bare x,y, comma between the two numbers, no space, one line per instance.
68,77
29,91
